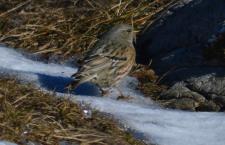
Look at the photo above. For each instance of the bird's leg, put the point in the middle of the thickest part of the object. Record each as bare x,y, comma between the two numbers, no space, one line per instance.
120,92
104,92
121,96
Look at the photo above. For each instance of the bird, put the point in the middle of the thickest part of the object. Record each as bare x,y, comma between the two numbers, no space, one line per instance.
110,60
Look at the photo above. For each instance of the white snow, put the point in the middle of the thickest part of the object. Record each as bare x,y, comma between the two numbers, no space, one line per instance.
12,60
6,143
156,125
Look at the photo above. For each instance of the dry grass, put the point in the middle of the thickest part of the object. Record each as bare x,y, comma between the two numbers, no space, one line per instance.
62,29
27,115
148,81
69,27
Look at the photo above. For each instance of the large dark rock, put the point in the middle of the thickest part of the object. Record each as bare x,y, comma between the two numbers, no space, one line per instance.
177,43
177,39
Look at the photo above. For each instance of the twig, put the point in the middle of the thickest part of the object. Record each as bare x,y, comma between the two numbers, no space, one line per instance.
15,8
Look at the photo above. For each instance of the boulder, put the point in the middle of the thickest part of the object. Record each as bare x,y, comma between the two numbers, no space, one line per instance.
183,104
179,90
208,106
186,47
220,101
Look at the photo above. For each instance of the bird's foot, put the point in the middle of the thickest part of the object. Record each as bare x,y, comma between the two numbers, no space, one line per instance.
104,92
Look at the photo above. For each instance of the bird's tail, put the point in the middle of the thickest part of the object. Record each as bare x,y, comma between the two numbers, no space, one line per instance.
72,85
78,79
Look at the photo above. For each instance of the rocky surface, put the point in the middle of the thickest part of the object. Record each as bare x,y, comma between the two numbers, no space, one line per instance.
187,44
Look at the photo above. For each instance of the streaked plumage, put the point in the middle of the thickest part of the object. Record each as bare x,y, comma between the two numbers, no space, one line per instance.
110,60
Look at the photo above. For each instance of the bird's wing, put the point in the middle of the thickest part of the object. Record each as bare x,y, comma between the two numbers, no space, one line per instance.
100,58
113,52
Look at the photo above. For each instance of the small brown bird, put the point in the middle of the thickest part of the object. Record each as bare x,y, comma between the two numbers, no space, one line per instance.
110,60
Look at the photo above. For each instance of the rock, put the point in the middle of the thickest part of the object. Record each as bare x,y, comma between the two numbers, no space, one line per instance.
220,100
180,97
178,44
179,90
208,84
178,40
208,106
183,104
215,50
208,89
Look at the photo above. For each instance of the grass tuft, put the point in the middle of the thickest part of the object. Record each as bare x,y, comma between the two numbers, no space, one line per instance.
68,27
28,115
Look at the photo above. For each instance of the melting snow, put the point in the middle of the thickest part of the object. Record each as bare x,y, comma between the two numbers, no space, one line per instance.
154,124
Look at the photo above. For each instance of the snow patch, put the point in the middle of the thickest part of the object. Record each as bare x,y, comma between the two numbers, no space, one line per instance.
154,124
6,143
13,60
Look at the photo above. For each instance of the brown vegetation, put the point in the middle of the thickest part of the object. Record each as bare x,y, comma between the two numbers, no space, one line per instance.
29,115
69,27
64,28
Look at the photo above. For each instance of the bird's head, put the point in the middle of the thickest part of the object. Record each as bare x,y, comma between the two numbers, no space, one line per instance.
123,32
